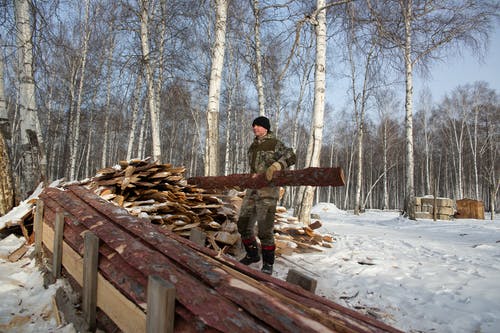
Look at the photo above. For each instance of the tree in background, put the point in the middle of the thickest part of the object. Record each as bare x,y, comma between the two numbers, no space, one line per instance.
417,32
218,50
6,184
31,152
316,135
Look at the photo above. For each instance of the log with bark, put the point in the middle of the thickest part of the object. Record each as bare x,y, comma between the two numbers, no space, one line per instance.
309,176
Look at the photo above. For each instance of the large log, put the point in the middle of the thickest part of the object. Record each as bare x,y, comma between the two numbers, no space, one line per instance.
309,176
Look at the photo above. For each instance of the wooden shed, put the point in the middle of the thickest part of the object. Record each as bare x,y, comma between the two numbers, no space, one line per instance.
470,209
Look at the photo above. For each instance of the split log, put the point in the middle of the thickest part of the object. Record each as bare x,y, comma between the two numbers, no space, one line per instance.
309,176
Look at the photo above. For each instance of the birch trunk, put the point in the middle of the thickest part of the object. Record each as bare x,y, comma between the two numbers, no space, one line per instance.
153,108
6,183
31,150
228,162
385,148
474,142
105,146
258,60
76,124
135,115
315,140
409,176
212,140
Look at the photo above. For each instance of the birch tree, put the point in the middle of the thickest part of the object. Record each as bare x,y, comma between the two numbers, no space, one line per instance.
386,103
365,49
148,66
218,50
107,108
6,184
75,137
258,59
135,114
315,139
31,144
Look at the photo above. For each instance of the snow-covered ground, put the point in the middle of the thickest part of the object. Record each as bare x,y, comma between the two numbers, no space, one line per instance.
25,305
418,276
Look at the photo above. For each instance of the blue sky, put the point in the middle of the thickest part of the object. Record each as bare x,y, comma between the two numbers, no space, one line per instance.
463,69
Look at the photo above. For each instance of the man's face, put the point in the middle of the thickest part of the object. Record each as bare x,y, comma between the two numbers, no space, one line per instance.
259,131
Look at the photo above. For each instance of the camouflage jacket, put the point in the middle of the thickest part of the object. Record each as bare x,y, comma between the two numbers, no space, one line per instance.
265,151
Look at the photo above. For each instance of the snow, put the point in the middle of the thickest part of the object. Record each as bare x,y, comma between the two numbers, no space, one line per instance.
417,276
441,276
26,305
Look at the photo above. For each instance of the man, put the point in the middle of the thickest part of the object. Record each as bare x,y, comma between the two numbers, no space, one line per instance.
266,155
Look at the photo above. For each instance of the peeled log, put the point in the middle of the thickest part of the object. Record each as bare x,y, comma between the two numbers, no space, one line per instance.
308,176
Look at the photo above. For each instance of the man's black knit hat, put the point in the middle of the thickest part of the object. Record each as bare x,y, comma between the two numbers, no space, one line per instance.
262,121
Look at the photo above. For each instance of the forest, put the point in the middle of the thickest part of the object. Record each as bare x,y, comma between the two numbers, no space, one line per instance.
85,84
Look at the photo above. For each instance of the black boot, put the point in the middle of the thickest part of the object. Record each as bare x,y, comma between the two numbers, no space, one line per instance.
252,252
268,259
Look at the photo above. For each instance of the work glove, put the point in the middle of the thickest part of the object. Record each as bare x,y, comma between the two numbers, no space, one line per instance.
276,166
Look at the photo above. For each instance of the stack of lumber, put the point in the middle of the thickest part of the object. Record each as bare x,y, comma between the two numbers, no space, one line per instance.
426,206
161,194
214,293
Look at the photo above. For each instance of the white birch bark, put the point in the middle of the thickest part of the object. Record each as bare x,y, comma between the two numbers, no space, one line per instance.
135,115
32,154
142,133
385,148
218,50
146,56
258,60
315,140
105,146
409,176
76,124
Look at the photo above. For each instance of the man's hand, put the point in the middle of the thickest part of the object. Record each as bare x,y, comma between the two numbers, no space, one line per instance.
276,166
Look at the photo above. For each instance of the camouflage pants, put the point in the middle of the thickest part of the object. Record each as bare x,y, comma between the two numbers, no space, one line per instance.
259,206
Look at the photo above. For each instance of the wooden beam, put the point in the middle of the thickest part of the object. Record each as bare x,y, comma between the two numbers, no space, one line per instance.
58,239
309,176
300,279
38,229
90,262
161,306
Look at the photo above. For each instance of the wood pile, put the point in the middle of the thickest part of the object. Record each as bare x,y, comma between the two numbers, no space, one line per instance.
213,292
424,208
161,194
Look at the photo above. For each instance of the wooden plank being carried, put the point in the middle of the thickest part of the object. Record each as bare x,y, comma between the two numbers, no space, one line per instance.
309,176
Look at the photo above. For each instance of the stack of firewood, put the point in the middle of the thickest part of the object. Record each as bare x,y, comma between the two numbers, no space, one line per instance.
160,193
293,236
